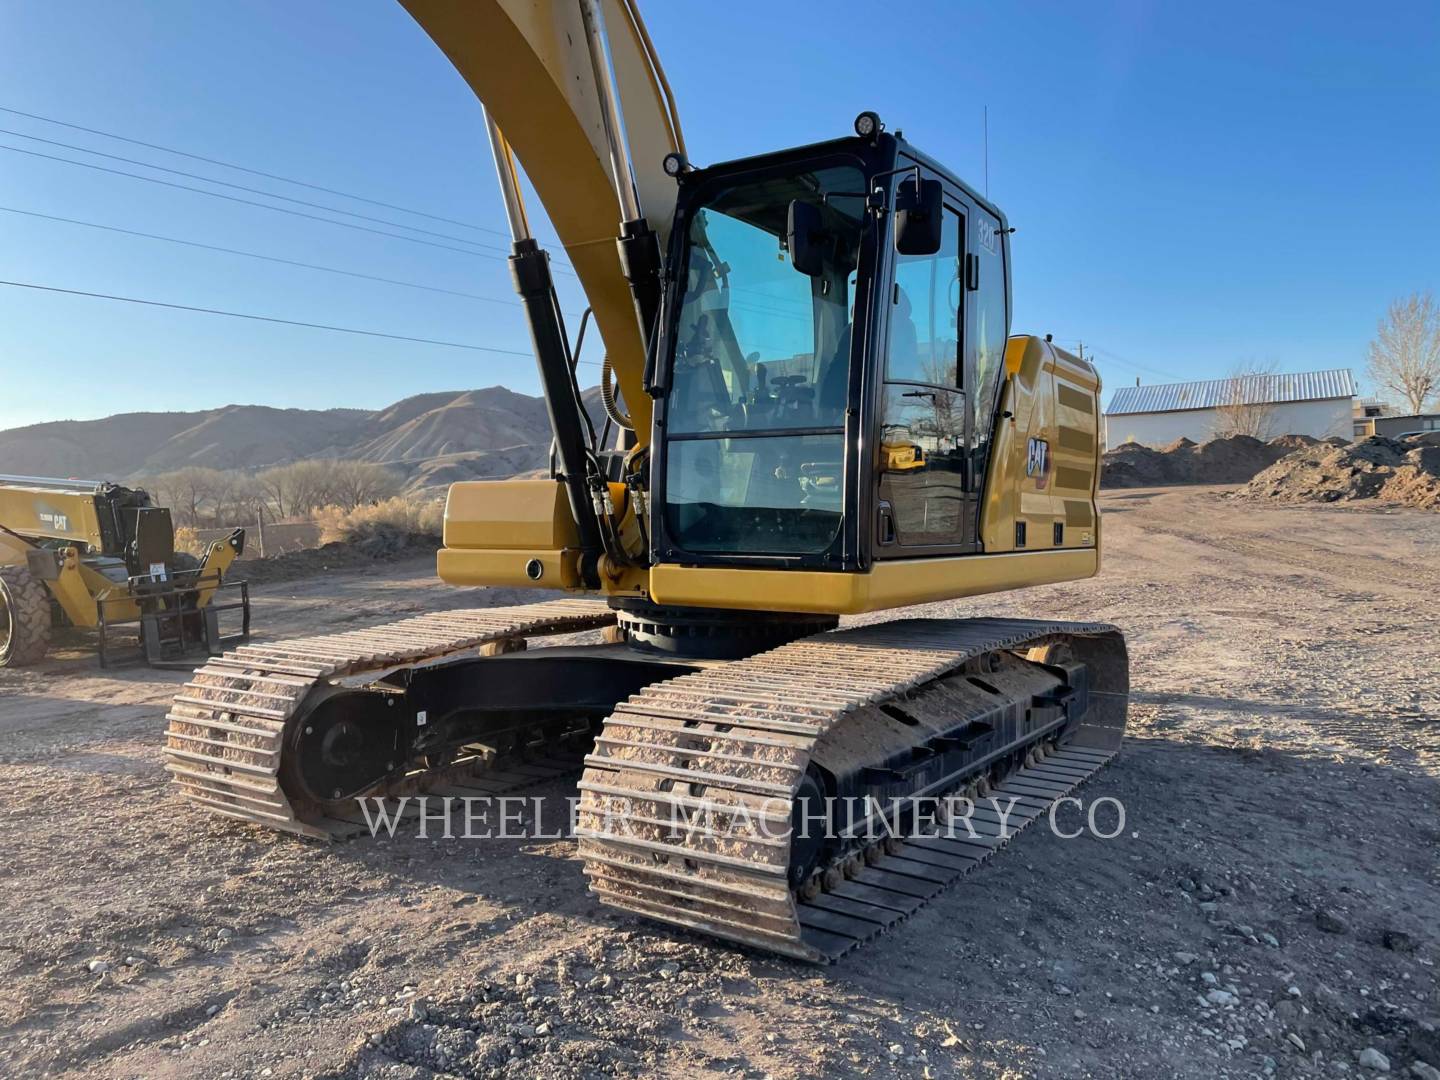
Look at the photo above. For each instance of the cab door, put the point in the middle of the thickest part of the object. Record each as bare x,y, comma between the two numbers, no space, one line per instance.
925,502
987,328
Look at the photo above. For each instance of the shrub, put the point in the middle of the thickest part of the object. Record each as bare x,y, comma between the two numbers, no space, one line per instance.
188,540
399,514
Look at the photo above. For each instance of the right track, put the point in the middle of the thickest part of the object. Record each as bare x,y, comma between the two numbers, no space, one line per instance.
687,802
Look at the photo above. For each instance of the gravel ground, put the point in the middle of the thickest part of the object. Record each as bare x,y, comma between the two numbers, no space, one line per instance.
1270,908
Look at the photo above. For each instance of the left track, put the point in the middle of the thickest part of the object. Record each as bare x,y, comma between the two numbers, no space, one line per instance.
229,727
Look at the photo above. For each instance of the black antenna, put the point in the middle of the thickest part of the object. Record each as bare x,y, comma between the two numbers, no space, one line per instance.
985,125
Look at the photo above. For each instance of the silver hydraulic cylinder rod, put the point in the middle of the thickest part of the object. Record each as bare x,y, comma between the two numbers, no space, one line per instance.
610,112
509,182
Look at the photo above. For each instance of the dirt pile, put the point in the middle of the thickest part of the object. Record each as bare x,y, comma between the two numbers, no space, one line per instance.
380,544
1232,460
1403,471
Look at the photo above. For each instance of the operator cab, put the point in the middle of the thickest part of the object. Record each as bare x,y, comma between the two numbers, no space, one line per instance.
829,361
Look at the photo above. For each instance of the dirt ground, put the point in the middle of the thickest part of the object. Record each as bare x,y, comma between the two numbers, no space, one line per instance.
1270,908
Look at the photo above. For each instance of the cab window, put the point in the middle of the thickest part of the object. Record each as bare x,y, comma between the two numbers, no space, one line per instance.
991,323
924,336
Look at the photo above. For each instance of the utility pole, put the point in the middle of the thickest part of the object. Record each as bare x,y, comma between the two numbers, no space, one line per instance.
1080,348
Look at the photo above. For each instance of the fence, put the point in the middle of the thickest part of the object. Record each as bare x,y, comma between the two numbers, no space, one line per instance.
278,538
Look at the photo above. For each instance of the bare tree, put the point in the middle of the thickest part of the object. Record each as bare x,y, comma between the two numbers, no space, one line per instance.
289,489
221,495
942,369
241,501
358,483
1245,408
191,493
298,489
201,498
275,486
1405,355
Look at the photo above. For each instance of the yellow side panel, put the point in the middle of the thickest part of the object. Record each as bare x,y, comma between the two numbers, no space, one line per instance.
508,514
890,584
499,532
501,569
495,528
1007,448
1044,461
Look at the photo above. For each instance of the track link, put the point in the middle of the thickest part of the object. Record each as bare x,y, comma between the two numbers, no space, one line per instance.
228,726
723,752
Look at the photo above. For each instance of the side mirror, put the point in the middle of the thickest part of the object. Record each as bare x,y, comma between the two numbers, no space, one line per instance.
805,238
919,211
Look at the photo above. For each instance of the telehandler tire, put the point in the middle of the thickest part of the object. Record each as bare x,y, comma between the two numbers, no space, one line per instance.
24,617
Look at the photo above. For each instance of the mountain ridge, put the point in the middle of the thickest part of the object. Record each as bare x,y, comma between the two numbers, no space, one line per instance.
458,434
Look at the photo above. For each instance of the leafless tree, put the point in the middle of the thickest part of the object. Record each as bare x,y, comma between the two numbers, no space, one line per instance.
242,500
1245,408
202,498
948,416
358,483
1405,354
274,483
191,493
292,490
298,489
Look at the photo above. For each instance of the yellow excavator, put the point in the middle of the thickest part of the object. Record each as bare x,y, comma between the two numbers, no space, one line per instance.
774,328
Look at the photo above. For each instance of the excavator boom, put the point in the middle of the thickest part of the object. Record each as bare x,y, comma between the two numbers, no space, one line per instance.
528,61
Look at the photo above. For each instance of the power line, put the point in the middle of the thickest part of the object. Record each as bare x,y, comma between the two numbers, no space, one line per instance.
252,172
264,206
246,202
1132,365
267,175
271,319
253,191
266,258
1138,367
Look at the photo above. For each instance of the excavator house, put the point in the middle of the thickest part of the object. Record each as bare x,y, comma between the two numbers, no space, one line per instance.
814,410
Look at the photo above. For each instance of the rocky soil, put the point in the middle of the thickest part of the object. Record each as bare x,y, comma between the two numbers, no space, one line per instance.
1231,460
379,544
1269,909
1403,471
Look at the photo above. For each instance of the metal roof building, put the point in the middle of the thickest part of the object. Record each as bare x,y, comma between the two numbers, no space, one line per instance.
1253,389
1314,403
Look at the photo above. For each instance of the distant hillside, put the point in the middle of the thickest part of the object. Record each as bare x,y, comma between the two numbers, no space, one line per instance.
475,420
431,439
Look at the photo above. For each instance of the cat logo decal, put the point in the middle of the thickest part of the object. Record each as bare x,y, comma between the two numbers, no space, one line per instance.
1037,460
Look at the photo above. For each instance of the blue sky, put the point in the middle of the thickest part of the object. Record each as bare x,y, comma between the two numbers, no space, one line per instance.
1194,185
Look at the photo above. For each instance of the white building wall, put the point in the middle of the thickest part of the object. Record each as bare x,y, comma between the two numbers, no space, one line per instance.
1318,419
